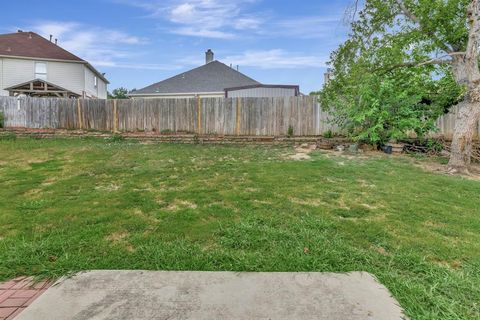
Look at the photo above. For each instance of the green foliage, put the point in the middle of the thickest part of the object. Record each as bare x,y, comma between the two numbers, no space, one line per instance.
8,136
329,134
380,89
116,138
2,120
196,139
290,131
119,93
434,146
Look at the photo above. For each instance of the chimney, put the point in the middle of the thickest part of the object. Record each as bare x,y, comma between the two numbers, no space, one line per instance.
209,56
51,37
20,31
56,40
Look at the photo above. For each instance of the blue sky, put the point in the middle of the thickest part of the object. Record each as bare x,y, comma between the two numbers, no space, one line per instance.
139,42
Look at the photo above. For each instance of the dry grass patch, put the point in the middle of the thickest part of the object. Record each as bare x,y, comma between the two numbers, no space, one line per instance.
308,202
181,204
117,236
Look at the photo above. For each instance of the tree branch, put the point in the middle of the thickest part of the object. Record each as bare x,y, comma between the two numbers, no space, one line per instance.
410,15
434,61
407,12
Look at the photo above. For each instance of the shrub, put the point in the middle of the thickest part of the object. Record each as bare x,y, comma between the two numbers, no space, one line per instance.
328,134
290,131
196,139
434,146
2,120
116,138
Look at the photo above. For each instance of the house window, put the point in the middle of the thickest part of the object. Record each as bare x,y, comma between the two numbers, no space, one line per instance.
41,70
95,81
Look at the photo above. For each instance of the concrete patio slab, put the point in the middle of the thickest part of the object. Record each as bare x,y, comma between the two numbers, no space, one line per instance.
105,295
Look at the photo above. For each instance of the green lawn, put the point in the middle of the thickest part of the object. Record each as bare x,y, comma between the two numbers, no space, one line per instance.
68,205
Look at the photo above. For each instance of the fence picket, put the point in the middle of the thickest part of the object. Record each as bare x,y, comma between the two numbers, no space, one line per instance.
222,116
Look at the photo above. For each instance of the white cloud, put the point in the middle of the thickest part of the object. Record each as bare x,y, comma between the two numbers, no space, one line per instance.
202,18
276,59
206,33
247,23
262,59
304,27
99,46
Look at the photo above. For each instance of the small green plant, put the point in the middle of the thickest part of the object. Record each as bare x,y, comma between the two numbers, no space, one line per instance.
290,131
328,134
2,120
35,136
116,138
33,206
8,136
434,146
166,131
196,139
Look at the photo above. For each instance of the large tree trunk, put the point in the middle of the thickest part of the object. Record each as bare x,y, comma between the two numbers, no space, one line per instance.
465,127
465,69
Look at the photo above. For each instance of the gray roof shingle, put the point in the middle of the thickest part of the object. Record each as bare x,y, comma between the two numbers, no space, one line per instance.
212,77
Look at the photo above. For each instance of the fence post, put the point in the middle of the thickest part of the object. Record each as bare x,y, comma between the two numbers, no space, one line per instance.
115,116
79,114
238,119
199,115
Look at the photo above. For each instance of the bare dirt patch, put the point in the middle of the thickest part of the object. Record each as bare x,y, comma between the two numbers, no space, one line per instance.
302,152
435,167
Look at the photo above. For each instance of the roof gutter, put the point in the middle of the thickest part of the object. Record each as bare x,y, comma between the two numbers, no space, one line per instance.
158,94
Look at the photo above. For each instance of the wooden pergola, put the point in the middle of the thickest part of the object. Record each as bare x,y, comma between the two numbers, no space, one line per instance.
40,88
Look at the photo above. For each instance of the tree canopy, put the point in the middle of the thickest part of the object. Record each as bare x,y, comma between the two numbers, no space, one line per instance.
394,74
119,93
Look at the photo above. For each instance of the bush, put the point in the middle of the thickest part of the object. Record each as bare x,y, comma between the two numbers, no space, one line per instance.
290,131
377,107
2,120
329,134
116,138
434,146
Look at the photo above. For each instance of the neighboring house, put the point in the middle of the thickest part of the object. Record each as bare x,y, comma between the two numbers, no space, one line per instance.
34,66
263,90
214,79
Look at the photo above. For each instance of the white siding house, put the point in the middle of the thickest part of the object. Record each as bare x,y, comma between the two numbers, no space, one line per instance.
27,58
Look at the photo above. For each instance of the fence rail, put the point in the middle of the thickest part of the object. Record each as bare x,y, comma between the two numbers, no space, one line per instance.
221,116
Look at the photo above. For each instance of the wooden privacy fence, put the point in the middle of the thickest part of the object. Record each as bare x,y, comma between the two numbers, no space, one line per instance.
221,116
446,125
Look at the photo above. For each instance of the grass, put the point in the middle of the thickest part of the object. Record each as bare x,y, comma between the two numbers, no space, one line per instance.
69,205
